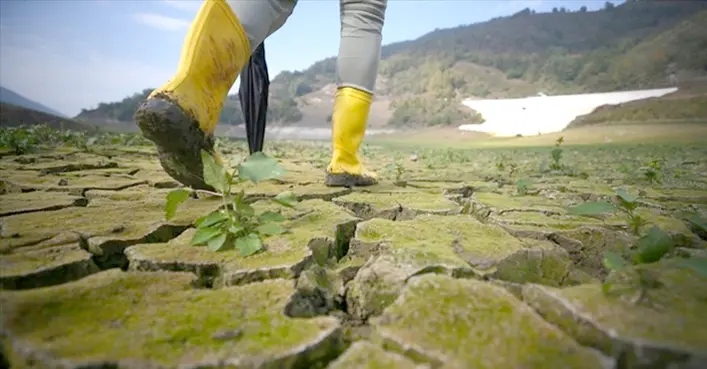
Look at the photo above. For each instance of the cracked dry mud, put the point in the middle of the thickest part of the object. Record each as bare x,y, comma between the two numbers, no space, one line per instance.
446,268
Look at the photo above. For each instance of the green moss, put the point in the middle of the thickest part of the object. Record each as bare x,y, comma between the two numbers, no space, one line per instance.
448,245
586,186
137,193
350,262
607,321
666,223
436,237
695,196
548,266
364,355
32,179
505,202
158,318
117,220
594,241
27,262
468,323
547,222
304,191
417,201
311,220
30,202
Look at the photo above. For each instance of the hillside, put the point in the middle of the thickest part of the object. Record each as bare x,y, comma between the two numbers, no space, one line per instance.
687,105
639,44
8,96
14,116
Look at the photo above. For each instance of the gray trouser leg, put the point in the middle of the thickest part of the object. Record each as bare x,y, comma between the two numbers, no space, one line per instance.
261,18
360,45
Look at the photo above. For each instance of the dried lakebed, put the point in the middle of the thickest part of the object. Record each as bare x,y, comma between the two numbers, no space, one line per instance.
448,267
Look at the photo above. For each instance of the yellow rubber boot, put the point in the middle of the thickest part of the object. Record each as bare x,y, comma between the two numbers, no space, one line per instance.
351,108
180,117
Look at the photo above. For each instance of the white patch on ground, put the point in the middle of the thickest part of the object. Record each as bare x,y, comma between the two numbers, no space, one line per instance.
545,114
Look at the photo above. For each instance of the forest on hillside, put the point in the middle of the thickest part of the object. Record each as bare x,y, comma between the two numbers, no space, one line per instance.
638,44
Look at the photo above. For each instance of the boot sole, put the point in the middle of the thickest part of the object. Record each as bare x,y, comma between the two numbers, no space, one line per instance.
178,140
348,180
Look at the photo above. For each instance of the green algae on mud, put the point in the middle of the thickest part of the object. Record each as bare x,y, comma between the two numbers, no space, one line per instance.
75,183
365,355
303,192
532,220
456,246
129,221
667,329
45,267
460,240
456,323
18,203
139,319
499,203
314,224
46,248
397,205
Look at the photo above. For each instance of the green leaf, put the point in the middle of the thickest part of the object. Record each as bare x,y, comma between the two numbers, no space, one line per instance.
260,167
287,198
592,208
613,261
235,229
698,264
244,209
271,216
215,217
174,198
270,229
653,245
248,244
214,174
203,235
623,195
217,243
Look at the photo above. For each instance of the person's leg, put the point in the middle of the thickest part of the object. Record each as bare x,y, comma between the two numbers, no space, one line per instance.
357,68
180,117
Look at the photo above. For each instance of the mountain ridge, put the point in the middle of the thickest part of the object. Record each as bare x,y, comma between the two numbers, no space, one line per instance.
421,82
8,96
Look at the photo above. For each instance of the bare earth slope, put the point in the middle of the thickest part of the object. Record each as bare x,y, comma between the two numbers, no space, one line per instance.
13,116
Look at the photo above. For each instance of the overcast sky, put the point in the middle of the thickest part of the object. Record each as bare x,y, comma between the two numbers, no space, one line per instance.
73,54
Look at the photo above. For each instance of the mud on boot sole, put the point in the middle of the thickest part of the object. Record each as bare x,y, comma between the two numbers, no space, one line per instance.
348,180
178,139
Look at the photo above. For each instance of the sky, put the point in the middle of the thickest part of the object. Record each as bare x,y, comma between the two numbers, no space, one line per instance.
73,54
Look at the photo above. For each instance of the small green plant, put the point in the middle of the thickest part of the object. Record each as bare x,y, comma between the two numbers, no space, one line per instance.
652,172
398,169
501,163
237,224
650,248
627,205
556,154
523,185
